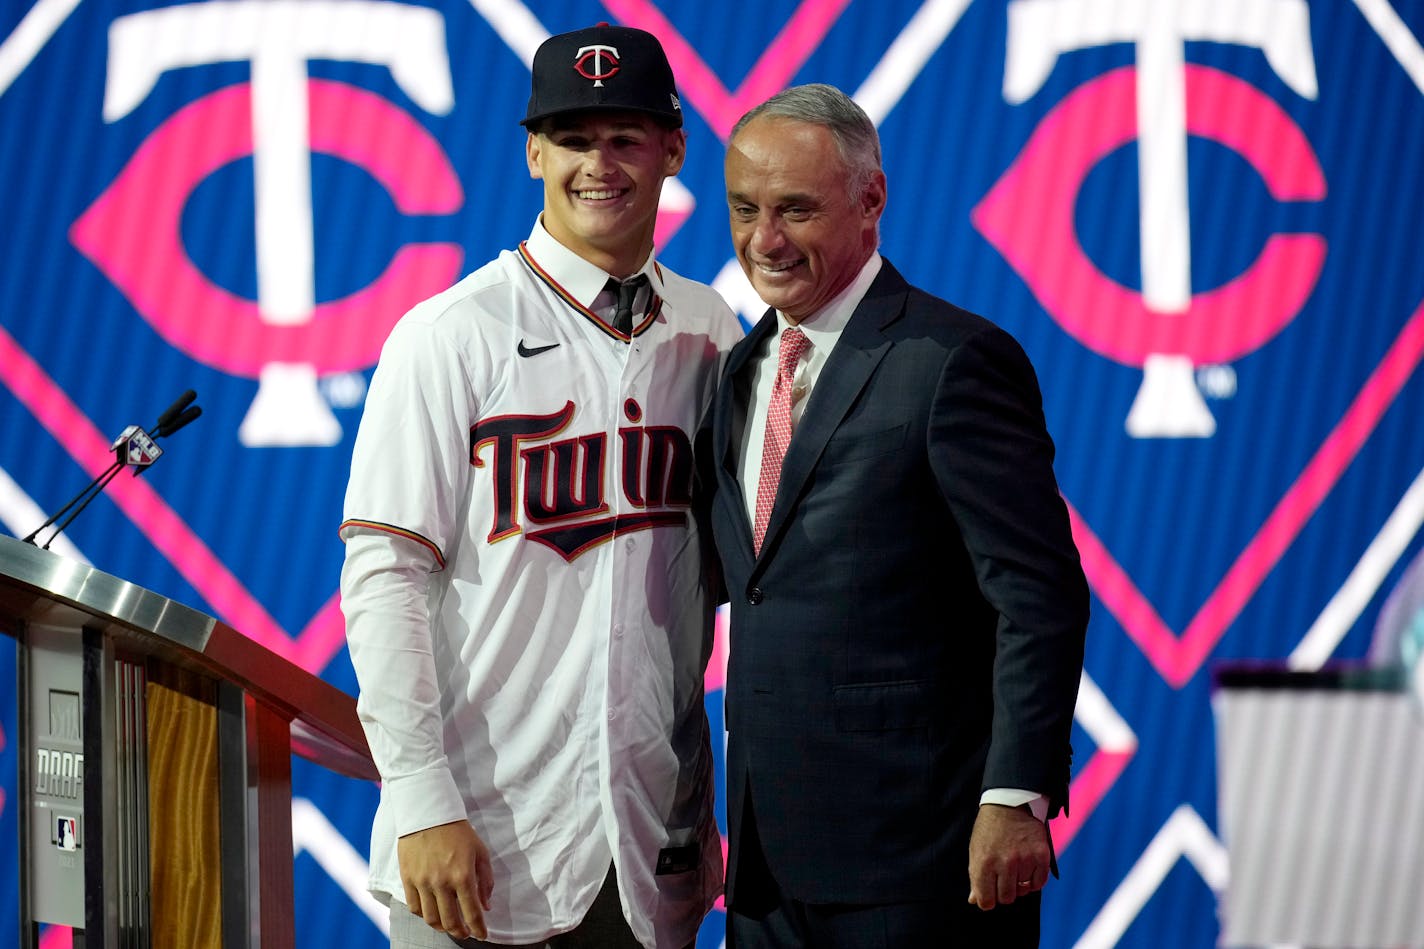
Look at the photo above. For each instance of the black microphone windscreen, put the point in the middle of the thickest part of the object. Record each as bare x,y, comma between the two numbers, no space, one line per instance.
184,419
166,419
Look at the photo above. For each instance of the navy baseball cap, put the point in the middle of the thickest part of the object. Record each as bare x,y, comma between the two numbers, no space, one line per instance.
603,67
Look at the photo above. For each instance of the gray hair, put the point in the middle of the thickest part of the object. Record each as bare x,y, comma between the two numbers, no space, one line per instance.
819,104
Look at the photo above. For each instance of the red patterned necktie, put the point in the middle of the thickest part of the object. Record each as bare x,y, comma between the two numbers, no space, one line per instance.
778,429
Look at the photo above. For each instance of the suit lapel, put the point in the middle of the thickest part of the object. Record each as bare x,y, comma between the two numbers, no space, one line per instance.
723,456
858,351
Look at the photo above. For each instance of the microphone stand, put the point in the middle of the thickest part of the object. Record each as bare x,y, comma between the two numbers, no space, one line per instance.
176,416
91,490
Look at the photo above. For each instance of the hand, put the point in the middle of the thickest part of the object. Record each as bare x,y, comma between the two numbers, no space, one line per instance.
1008,847
448,878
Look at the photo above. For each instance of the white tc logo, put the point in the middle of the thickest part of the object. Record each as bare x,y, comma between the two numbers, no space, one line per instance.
279,37
1168,403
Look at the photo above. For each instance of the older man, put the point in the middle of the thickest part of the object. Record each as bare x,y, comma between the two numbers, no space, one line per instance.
907,605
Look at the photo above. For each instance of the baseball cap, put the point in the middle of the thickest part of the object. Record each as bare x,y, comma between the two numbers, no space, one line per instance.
602,67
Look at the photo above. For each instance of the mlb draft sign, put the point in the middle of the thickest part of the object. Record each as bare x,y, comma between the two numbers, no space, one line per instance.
1200,217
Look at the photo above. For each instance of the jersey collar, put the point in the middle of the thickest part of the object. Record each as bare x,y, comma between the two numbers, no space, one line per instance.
579,282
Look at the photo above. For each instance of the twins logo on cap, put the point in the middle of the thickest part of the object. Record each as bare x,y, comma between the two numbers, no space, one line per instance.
615,68
597,63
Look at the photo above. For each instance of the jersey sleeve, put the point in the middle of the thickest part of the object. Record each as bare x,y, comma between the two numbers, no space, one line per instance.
383,596
410,465
409,480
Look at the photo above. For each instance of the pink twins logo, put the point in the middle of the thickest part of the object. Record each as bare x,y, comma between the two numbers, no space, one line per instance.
284,338
1029,215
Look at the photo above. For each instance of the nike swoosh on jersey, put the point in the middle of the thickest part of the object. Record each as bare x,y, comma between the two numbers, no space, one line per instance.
526,351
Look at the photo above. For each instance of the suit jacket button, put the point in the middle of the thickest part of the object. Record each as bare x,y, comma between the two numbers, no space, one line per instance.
754,596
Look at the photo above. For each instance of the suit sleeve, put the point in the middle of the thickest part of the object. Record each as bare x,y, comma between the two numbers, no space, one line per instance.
993,461
704,489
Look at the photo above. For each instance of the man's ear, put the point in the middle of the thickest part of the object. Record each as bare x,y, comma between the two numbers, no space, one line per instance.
532,147
676,151
872,202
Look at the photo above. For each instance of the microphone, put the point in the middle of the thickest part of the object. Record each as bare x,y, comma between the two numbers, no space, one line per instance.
179,422
134,448
165,424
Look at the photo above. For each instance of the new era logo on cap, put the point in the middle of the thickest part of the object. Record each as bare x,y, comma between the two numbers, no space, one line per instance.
603,67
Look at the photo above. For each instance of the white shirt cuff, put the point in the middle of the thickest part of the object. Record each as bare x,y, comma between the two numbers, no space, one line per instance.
423,800
1017,797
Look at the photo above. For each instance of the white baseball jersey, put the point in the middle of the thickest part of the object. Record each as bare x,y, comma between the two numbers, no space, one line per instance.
526,607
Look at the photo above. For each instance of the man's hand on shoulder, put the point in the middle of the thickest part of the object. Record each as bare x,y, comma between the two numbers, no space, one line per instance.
1009,855
448,878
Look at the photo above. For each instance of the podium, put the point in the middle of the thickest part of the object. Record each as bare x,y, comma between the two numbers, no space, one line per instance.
155,762
1321,780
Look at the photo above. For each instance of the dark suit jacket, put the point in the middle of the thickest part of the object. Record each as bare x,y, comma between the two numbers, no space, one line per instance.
912,632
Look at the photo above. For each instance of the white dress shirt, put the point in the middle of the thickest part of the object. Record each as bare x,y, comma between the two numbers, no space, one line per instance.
823,330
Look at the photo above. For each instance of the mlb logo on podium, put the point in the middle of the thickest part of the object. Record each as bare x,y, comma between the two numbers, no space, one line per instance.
65,833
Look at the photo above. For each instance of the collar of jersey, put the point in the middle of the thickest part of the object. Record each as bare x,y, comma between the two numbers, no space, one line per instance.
578,282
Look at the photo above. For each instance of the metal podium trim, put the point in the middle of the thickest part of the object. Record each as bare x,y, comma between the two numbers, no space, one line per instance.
38,584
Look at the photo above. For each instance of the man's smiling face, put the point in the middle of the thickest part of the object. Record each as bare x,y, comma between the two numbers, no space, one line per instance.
799,233
603,175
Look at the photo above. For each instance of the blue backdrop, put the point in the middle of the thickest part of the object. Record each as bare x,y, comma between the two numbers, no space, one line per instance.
1201,218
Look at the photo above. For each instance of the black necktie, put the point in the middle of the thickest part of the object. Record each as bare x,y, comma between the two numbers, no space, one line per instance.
626,292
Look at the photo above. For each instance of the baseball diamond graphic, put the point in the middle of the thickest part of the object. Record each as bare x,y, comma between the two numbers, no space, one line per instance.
1197,216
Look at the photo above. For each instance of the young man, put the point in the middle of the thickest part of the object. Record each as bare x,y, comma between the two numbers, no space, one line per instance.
526,607
907,606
